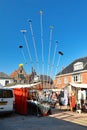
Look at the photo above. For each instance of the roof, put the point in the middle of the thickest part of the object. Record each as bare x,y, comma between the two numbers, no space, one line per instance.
69,68
45,78
13,74
4,76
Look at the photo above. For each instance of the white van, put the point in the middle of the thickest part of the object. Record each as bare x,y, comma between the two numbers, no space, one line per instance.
6,100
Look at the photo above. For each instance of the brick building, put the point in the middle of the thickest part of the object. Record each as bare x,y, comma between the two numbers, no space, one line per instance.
76,72
19,75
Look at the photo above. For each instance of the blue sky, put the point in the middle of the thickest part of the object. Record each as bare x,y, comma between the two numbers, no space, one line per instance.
69,18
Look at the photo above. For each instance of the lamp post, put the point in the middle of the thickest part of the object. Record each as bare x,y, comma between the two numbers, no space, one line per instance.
28,49
23,54
34,44
51,69
60,54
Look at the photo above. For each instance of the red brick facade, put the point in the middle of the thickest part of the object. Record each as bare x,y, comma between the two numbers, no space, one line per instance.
63,79
62,84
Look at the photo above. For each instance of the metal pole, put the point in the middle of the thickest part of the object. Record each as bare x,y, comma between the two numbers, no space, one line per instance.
60,54
26,42
23,54
34,43
51,70
41,26
51,30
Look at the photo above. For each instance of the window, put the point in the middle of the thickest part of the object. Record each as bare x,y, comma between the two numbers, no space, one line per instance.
6,82
59,80
20,71
21,76
15,81
78,66
76,78
65,80
6,93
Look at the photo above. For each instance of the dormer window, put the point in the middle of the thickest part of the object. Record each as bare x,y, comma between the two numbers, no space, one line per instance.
78,66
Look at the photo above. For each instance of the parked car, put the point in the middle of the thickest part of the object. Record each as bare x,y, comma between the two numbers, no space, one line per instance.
6,100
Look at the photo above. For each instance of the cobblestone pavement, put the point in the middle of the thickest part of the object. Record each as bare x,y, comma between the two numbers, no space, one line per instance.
78,118
59,120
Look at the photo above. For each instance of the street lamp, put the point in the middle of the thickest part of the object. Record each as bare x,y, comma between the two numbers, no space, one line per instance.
60,54
20,46
23,54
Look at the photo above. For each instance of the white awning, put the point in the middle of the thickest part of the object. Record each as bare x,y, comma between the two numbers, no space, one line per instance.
78,85
23,85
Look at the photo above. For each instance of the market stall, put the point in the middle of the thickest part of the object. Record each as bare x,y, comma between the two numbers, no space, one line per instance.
77,93
37,103
21,93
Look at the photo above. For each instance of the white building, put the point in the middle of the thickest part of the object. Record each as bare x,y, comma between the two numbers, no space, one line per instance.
5,79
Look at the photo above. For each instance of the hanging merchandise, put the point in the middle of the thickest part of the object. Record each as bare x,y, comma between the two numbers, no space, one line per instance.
79,94
72,101
62,93
83,94
79,98
62,97
65,97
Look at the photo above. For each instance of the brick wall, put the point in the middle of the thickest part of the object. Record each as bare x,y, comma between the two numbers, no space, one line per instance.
69,77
